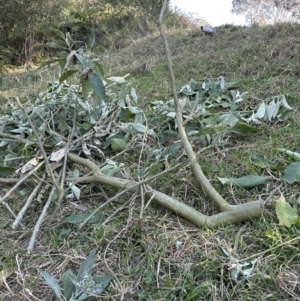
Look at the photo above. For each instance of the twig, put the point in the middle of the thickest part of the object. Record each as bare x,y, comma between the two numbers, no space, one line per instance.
40,144
139,178
27,204
201,178
63,174
127,190
11,212
193,110
270,249
268,199
116,212
40,221
16,138
20,182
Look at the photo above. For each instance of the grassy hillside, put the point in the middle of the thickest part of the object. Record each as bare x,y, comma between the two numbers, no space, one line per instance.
162,257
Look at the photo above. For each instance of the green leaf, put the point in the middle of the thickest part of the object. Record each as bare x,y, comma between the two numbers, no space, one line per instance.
87,265
259,161
79,218
263,163
286,215
52,45
154,167
58,33
81,59
69,40
66,75
68,278
243,129
103,280
292,173
4,171
228,119
99,68
86,89
118,144
97,85
92,38
134,95
99,50
52,282
117,79
247,182
47,63
139,127
75,190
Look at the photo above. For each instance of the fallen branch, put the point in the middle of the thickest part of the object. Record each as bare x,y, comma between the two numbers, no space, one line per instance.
232,213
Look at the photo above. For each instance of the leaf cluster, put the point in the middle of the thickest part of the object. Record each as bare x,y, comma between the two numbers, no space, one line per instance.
78,287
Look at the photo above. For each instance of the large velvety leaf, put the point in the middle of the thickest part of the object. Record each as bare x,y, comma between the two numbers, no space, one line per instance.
247,182
285,213
87,265
52,282
97,85
292,173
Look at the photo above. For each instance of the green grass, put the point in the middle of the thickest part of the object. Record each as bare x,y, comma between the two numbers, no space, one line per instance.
162,257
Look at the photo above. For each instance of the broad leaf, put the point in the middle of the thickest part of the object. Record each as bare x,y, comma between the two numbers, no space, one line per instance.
263,163
47,63
79,218
86,89
58,33
66,75
103,281
285,104
4,171
261,111
97,85
87,265
119,80
243,129
118,144
286,215
92,38
292,173
81,59
139,127
68,278
4,274
52,282
52,45
75,190
247,182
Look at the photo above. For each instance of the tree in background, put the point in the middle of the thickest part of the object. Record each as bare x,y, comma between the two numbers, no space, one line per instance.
264,12
23,23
